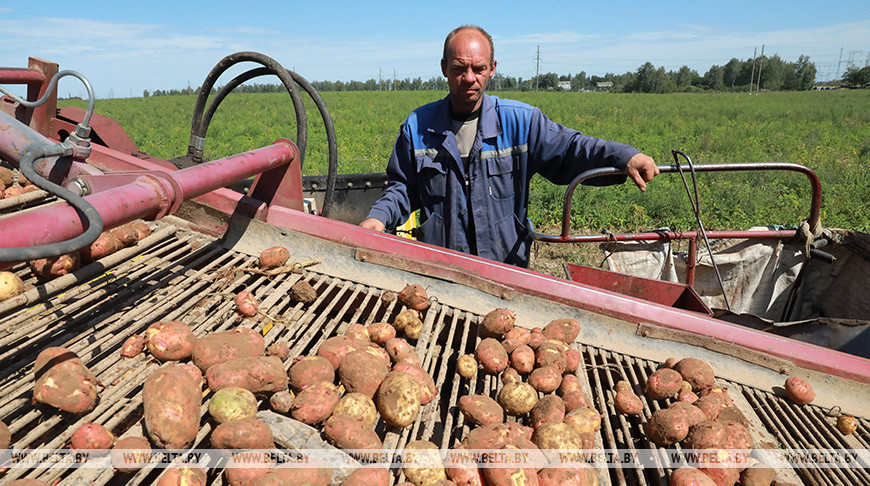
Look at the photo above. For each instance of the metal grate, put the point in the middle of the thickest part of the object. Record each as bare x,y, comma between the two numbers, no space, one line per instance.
178,275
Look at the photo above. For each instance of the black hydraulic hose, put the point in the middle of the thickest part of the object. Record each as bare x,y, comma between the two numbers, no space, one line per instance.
270,67
84,208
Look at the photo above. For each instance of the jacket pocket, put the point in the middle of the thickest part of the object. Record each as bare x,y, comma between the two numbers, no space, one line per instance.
433,178
500,172
431,231
512,241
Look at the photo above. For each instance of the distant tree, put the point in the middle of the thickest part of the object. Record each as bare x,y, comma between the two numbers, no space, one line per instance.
146,94
714,79
648,79
579,81
805,72
857,77
685,77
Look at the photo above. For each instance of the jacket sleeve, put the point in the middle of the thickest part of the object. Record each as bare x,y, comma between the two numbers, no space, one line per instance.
401,196
560,154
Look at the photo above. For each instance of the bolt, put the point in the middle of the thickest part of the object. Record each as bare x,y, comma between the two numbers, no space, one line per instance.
644,332
363,258
785,370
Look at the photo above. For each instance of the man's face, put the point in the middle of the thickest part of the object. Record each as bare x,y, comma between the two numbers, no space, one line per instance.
467,69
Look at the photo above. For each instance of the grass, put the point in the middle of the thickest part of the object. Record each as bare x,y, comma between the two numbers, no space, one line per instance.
827,131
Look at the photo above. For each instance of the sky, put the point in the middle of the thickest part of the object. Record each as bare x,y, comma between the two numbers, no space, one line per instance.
124,48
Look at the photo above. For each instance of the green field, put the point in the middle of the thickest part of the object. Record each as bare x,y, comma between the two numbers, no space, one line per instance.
828,131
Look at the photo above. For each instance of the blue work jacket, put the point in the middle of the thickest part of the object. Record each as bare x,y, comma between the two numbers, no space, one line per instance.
514,142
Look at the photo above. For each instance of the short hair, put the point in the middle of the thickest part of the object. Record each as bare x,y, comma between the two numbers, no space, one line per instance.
455,31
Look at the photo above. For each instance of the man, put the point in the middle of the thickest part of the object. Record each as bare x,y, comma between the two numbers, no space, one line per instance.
466,161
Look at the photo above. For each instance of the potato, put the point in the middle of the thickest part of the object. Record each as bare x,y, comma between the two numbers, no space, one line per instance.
171,401
261,374
757,476
799,391
669,363
722,475
336,348
414,296
183,476
310,370
374,475
359,407
428,390
710,405
194,373
552,352
5,436
103,246
125,235
315,403
846,424
628,403
570,383
667,426
302,291
142,229
559,436
422,463
585,420
281,401
346,432
130,454
690,476
279,350
132,346
574,400
357,331
510,345
545,379
223,346
731,414
248,433
292,474
63,381
247,467
11,285
687,397
510,475
381,354
709,434
492,356
694,415
463,470
362,372
536,338
623,385
551,408
466,366
521,334
565,330
517,398
663,383
169,340
523,359
576,475
246,304
7,177
413,325
55,266
510,375
572,360
274,257
232,403
398,348
719,393
90,436
698,373
481,410
381,332
498,322
398,399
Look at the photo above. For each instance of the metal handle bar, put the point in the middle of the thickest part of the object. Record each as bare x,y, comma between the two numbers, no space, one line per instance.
815,184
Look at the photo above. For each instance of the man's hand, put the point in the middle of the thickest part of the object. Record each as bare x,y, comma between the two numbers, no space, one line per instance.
373,224
641,169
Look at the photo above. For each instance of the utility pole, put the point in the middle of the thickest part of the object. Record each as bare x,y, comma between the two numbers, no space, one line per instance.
752,76
840,62
537,68
760,65
380,80
394,79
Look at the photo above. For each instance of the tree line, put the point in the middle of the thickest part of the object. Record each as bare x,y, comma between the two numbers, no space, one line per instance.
767,73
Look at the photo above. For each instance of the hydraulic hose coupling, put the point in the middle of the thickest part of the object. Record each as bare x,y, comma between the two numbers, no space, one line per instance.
79,143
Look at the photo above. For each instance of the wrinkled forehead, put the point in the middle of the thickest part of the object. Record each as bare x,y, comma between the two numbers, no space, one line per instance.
469,47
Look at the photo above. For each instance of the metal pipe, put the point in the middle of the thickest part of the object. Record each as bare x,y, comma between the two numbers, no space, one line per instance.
21,76
815,184
147,197
86,121
690,261
664,235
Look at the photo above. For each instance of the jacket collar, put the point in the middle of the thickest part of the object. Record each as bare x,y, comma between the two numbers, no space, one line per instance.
489,127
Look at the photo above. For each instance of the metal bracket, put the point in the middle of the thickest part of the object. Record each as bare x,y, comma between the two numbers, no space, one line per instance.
99,183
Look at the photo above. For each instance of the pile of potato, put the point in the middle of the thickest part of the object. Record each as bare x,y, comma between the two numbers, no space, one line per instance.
10,188
530,363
